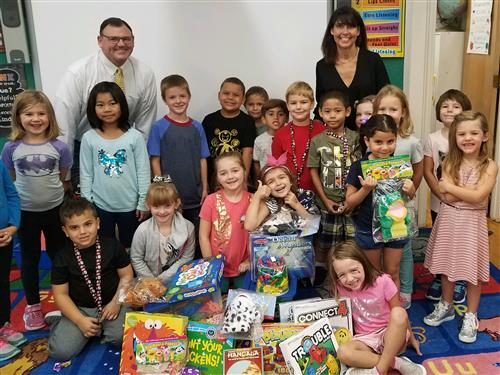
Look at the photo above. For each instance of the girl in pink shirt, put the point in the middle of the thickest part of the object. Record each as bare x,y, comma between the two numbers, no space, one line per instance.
222,217
381,325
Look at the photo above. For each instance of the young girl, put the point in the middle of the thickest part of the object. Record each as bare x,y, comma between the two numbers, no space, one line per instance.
166,241
255,97
221,220
392,101
9,222
278,192
38,163
381,326
458,245
449,104
364,110
380,137
114,165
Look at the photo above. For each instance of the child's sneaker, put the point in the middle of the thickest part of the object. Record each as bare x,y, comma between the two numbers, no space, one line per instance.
11,335
6,350
406,367
434,292
443,311
405,299
33,317
468,332
362,371
52,317
460,292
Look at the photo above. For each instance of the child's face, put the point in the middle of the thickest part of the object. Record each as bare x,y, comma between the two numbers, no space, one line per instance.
279,182
392,106
82,229
300,108
164,213
231,97
449,109
177,100
381,144
333,112
254,105
363,113
107,109
230,174
470,137
350,273
35,120
275,118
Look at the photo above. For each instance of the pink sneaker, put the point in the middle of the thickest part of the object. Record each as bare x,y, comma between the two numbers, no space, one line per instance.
11,335
6,350
33,317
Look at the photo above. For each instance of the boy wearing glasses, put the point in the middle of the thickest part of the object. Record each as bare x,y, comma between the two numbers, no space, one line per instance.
113,62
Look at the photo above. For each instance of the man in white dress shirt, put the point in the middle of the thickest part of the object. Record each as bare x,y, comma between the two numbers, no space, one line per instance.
111,63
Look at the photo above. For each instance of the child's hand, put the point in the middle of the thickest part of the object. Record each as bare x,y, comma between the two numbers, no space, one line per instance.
141,215
263,191
444,186
408,188
110,311
368,183
414,342
6,235
334,207
244,266
89,326
291,200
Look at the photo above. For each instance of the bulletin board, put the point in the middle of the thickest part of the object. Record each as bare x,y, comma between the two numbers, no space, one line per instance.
384,21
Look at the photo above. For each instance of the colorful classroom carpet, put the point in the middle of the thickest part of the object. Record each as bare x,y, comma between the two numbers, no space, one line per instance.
443,354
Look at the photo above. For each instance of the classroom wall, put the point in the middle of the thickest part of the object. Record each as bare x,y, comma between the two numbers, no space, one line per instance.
270,44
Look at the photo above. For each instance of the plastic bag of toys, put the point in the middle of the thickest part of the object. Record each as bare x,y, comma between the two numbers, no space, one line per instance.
393,215
272,275
140,291
244,315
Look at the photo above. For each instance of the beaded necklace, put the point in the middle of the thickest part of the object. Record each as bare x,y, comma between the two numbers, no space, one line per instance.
304,155
345,151
96,293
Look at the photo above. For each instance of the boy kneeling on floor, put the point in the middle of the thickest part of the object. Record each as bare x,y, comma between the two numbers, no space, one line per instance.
85,279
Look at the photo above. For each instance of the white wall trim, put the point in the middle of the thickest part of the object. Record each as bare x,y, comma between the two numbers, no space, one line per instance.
418,71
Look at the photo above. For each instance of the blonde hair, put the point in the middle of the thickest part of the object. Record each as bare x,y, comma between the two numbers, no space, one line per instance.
25,100
453,160
350,250
300,88
160,193
405,127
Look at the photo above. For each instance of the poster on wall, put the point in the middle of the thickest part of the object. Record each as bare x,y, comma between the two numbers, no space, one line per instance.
2,45
12,82
384,21
480,27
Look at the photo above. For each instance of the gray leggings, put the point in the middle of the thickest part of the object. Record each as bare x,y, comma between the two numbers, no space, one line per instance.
66,340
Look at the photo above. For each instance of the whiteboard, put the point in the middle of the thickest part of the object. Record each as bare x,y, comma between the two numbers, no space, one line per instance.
265,43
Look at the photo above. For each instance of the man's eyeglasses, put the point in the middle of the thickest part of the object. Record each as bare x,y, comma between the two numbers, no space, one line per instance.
116,39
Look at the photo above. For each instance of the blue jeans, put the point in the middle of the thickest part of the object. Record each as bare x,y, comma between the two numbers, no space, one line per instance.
406,268
127,223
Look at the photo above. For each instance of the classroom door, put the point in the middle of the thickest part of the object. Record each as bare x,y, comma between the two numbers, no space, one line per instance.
481,79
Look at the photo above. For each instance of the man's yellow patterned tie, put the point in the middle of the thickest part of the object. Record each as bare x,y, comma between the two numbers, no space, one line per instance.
119,78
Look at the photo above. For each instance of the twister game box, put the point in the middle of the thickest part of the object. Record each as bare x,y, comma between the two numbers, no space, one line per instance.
312,351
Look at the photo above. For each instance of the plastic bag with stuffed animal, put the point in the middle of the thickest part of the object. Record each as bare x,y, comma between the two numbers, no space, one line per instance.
244,315
140,291
393,215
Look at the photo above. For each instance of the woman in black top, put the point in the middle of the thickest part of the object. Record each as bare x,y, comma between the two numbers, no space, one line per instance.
347,65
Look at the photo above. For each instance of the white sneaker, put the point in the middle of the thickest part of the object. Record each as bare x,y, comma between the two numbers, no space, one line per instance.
406,367
443,312
468,332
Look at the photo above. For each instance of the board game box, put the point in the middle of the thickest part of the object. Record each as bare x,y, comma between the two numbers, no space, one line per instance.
392,167
244,361
312,351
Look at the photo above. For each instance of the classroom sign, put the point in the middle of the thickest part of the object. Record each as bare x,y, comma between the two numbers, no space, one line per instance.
12,82
384,21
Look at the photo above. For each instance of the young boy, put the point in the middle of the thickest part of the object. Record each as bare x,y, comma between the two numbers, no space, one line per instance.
332,153
295,137
274,115
178,147
255,97
449,104
85,280
229,129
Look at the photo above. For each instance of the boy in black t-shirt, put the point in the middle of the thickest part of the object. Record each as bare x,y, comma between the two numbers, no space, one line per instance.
85,279
229,129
